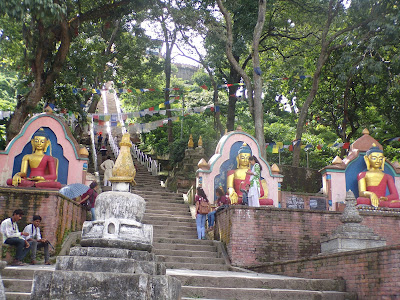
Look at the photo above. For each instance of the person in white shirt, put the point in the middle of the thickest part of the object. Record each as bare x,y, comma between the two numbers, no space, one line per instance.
12,236
36,241
107,167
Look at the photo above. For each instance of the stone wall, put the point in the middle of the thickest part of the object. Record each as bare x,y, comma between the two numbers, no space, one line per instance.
258,235
60,215
372,274
311,179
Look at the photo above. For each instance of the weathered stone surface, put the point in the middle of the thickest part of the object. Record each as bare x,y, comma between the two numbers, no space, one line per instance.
351,235
69,285
99,264
2,293
119,205
117,233
112,252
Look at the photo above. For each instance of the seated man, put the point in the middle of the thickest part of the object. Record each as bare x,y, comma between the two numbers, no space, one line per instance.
373,183
43,168
36,241
12,236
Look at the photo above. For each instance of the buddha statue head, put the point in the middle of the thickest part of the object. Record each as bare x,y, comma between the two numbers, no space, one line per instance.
243,156
374,158
40,141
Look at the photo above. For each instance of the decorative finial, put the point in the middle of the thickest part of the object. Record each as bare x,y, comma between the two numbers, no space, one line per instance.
200,142
337,161
190,143
124,169
275,169
239,128
365,131
202,164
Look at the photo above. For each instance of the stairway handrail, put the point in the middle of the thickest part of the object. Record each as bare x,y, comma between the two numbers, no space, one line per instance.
151,164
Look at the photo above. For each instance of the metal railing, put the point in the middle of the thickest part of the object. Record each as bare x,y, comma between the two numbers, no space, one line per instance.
151,164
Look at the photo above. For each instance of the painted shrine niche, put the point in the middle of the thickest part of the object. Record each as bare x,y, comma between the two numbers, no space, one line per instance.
374,180
43,155
228,166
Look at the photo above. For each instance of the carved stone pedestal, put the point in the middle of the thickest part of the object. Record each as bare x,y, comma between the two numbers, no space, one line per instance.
351,235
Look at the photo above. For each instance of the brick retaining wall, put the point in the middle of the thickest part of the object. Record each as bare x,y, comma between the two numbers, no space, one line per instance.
60,215
257,235
372,274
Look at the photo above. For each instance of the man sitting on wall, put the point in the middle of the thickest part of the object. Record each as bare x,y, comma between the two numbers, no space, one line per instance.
36,241
12,236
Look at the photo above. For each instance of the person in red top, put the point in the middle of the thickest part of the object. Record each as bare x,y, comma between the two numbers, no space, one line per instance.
90,196
200,217
222,201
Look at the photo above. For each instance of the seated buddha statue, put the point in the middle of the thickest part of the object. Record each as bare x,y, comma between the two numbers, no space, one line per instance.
43,167
238,178
374,183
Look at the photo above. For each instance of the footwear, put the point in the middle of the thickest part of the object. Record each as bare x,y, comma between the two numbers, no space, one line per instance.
18,263
47,263
33,262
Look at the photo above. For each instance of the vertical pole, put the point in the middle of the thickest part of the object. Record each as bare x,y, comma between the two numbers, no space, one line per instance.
183,111
307,158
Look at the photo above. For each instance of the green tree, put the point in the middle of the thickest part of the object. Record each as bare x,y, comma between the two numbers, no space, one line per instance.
48,30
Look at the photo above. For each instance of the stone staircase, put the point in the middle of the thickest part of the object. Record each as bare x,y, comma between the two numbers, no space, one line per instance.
175,237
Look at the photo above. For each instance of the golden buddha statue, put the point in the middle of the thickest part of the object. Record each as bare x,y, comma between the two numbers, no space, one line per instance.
43,168
373,183
236,178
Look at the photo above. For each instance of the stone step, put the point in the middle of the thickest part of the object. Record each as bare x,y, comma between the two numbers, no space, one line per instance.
154,209
17,285
167,218
18,296
178,226
259,293
167,214
154,221
264,281
173,234
192,260
187,253
17,272
177,206
184,247
195,266
184,241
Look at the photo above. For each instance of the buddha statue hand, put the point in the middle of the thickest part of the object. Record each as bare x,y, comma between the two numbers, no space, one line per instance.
37,178
233,196
16,180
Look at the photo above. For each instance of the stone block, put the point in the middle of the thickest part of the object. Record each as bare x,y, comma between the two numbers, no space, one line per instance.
99,264
69,285
117,233
112,252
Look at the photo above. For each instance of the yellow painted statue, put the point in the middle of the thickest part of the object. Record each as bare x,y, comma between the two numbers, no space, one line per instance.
43,167
373,184
236,179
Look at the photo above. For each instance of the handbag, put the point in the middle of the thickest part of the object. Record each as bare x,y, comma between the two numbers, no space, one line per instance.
204,207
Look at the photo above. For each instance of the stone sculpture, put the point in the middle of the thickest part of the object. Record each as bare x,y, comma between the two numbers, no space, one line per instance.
43,167
373,183
115,260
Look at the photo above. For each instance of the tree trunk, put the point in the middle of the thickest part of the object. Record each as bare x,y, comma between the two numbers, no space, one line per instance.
254,101
43,79
257,98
